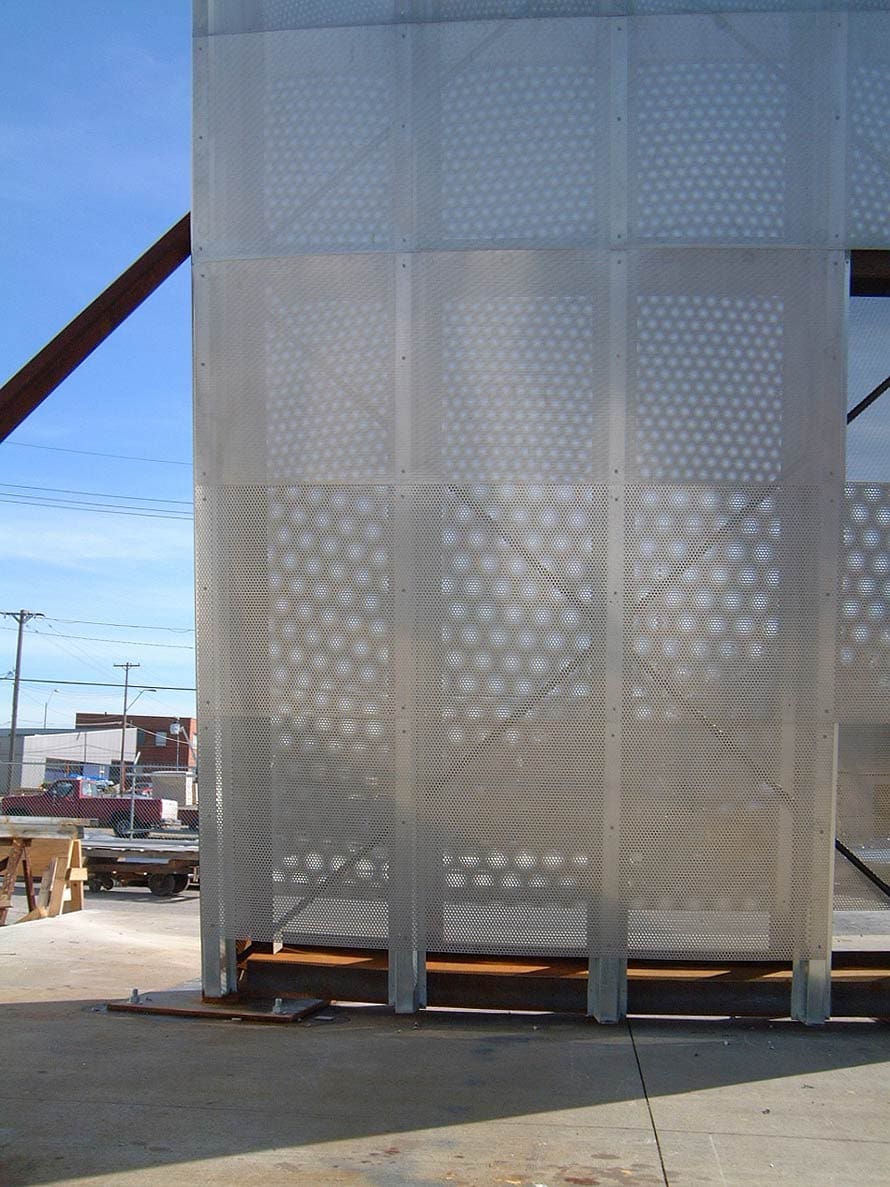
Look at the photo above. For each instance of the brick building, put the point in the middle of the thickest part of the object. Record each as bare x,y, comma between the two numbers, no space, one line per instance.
159,742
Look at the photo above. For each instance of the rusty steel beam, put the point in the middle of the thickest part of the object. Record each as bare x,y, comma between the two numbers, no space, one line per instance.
860,982
30,386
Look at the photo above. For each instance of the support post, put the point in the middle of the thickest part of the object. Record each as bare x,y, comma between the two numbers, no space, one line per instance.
21,617
607,941
407,972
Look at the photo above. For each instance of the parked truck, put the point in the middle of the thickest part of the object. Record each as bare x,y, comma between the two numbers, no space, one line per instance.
86,800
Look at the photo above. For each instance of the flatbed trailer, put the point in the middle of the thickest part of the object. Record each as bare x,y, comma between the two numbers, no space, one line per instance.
166,867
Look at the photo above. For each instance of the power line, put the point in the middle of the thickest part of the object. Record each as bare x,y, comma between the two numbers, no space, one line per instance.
94,639
146,504
61,490
81,654
130,626
126,457
93,510
111,684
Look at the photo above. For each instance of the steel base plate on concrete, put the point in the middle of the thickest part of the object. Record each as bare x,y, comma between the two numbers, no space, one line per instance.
190,1003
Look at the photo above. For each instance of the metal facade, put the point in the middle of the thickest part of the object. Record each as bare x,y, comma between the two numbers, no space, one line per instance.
520,373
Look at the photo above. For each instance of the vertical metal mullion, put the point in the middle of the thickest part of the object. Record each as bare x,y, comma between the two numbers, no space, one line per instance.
811,976
217,952
607,956
837,138
407,989
218,974
811,970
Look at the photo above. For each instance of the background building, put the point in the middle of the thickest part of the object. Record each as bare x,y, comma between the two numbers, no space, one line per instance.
92,753
162,741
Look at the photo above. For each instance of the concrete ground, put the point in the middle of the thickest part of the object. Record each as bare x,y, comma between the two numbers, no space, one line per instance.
359,1097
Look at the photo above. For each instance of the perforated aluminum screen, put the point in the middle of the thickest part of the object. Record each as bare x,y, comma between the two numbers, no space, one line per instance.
520,393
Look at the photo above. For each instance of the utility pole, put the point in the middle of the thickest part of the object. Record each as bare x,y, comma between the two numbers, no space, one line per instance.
21,617
126,668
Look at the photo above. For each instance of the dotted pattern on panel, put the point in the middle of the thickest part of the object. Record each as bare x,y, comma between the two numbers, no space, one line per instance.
232,599
329,389
702,810
869,200
704,367
522,603
328,183
511,717
310,14
719,603
863,661
518,157
472,10
712,148
518,389
232,593
331,616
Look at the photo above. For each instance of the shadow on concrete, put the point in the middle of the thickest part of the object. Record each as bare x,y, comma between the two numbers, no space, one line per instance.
98,1094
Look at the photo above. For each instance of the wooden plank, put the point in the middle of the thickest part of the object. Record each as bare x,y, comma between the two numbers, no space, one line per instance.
29,880
75,876
47,884
57,897
36,912
42,826
44,849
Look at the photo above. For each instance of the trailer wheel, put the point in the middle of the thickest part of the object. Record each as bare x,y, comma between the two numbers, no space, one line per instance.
97,882
163,885
180,882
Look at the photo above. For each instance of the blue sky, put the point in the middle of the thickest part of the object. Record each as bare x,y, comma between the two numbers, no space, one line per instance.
95,97
94,166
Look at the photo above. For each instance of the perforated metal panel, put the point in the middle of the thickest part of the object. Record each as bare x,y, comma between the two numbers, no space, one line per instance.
520,397
863,679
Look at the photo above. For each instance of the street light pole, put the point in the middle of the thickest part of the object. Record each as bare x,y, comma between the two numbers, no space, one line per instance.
126,668
46,705
21,617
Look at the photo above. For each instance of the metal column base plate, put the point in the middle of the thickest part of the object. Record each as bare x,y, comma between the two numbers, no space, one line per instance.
189,1003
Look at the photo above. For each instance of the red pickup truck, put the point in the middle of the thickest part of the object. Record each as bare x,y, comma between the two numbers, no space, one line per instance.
83,799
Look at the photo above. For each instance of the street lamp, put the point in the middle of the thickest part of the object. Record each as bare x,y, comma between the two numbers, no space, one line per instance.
133,777
46,705
127,667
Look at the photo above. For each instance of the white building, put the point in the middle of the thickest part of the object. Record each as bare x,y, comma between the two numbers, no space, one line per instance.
88,752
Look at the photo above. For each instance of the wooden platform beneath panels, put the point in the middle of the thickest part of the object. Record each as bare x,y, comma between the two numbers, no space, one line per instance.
860,982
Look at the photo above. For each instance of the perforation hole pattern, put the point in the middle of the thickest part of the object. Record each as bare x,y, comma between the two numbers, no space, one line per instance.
863,680
716,590
518,153
518,394
704,366
329,388
331,671
712,152
869,209
328,165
